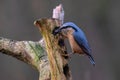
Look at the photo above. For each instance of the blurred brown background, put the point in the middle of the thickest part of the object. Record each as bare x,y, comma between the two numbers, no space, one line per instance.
100,19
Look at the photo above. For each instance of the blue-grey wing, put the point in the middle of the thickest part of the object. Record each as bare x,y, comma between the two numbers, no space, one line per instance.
83,43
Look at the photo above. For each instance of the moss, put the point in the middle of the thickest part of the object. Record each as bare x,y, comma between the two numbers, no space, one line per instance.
37,49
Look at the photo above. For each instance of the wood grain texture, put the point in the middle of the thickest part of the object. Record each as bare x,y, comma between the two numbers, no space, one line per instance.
54,51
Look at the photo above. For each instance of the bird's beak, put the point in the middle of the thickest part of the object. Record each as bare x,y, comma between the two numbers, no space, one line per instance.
56,30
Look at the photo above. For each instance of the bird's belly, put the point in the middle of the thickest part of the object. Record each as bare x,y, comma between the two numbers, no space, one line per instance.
75,47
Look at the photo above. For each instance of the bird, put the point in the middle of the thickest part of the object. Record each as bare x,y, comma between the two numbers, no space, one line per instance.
77,39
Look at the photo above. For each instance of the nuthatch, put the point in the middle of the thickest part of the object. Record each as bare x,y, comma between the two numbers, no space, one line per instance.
77,39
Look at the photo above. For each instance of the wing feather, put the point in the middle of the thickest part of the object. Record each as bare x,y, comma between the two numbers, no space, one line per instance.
83,43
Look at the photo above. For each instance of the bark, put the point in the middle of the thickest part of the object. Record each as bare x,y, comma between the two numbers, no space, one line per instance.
30,52
48,55
58,62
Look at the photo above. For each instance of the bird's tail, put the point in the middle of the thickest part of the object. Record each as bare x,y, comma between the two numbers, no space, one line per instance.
91,60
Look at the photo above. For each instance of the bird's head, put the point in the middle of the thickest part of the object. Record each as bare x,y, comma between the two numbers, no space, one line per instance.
65,26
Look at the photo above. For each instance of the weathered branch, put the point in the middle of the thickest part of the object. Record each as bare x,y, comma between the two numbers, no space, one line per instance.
17,49
30,52
58,64
48,56
54,50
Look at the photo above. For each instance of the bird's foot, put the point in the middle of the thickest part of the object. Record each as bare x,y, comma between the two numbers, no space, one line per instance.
68,55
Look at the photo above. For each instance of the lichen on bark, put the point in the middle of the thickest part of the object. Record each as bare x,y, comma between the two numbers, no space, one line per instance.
46,55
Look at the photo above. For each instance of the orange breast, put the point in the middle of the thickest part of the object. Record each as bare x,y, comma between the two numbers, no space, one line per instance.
75,47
